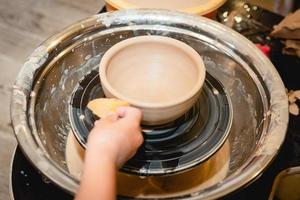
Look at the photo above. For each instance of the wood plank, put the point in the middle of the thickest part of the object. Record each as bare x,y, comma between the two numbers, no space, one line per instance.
23,26
42,18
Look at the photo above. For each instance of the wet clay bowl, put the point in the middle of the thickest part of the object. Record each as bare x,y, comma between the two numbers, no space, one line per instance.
159,75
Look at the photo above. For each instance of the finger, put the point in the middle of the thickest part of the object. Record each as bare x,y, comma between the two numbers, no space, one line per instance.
131,114
121,111
111,116
97,122
139,140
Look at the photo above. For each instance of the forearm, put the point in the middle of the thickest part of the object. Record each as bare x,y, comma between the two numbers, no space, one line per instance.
113,140
99,177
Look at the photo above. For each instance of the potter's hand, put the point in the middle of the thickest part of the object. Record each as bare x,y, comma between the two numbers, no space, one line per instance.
114,139
117,136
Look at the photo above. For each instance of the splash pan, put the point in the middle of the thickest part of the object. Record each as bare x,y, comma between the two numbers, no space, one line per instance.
42,92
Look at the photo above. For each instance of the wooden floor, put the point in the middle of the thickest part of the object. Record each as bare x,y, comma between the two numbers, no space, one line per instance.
24,24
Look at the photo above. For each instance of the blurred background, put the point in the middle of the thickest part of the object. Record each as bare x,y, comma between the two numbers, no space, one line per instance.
282,7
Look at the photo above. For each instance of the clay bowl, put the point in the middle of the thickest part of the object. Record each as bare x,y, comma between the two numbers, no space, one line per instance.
197,7
159,75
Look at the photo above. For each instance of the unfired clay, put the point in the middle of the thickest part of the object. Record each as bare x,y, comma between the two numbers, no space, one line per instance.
160,75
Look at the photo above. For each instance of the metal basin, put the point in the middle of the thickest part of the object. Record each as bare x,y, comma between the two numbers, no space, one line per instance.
41,94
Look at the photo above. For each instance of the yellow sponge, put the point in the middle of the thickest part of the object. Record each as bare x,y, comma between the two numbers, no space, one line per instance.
103,106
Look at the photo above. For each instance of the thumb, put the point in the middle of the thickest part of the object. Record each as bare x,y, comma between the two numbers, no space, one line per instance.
111,116
130,113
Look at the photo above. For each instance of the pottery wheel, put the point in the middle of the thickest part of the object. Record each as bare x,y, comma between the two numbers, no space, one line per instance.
168,148
44,109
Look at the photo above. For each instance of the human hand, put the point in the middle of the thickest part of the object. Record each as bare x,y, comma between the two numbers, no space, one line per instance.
116,136
113,140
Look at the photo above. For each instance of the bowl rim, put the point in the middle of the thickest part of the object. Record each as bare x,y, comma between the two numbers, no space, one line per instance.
188,50
208,7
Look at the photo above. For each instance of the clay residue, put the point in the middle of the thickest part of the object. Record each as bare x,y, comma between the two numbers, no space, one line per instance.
34,61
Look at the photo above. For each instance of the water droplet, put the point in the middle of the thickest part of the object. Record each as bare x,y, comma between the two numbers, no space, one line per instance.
66,71
45,180
238,19
81,117
142,170
225,14
32,94
88,57
254,7
215,91
246,5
